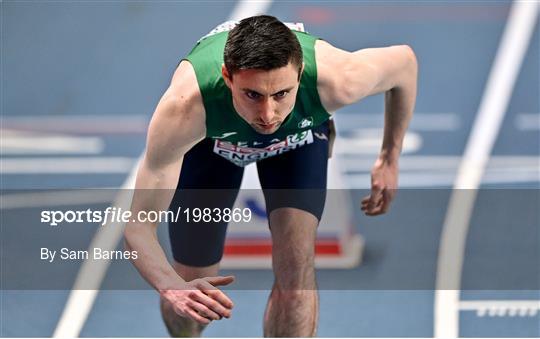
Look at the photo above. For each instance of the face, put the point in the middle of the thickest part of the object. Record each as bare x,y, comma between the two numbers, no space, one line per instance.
264,98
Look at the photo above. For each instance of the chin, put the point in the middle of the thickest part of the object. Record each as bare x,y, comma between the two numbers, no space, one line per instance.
265,131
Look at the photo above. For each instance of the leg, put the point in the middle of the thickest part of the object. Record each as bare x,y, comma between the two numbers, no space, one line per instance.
198,247
292,309
178,326
295,201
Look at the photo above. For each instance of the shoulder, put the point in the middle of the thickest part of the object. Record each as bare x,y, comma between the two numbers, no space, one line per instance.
330,61
184,82
183,97
179,119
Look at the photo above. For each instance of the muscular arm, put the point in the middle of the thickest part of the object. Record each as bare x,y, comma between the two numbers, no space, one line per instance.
177,124
345,78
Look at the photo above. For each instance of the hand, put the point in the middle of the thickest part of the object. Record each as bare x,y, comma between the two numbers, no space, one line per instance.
383,187
200,300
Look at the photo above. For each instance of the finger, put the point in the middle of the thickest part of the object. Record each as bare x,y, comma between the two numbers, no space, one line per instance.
365,200
390,193
376,195
375,198
372,210
377,211
365,203
213,305
219,281
215,294
197,317
204,311
387,200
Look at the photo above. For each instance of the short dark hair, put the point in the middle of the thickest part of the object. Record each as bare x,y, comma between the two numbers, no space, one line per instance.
261,42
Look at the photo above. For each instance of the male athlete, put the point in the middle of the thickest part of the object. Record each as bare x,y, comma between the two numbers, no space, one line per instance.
258,91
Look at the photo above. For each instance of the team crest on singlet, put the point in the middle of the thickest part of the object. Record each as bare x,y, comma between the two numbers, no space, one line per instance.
242,153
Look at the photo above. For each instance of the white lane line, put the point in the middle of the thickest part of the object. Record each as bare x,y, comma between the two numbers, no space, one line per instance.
440,171
14,142
80,301
77,124
501,308
92,272
362,141
111,165
500,84
439,180
420,122
425,163
57,198
66,165
528,122
247,8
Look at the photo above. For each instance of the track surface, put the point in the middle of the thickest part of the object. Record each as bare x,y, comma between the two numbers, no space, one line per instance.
60,66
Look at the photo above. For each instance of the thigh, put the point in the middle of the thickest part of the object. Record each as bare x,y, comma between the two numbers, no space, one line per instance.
298,178
206,181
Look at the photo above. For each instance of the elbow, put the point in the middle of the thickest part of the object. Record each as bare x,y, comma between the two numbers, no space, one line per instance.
129,242
128,235
136,231
410,58
406,75
131,232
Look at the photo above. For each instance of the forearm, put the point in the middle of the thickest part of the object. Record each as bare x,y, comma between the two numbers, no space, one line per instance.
151,261
399,107
153,193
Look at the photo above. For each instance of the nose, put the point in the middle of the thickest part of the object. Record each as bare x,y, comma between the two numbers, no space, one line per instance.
267,113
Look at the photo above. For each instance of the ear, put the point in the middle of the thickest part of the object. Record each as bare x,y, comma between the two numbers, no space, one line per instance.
226,76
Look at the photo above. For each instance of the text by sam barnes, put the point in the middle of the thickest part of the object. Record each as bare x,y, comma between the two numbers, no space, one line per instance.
95,254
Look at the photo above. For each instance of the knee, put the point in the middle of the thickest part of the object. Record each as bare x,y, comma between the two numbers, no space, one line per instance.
294,270
294,259
293,249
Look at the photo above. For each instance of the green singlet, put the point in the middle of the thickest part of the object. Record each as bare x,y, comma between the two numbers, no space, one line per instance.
235,139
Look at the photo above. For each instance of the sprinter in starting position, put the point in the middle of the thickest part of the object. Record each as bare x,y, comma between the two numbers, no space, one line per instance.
259,91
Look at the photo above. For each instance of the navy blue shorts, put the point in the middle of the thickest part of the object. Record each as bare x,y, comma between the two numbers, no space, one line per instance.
296,178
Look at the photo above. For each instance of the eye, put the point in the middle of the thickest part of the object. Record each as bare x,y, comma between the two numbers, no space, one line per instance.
253,95
281,94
